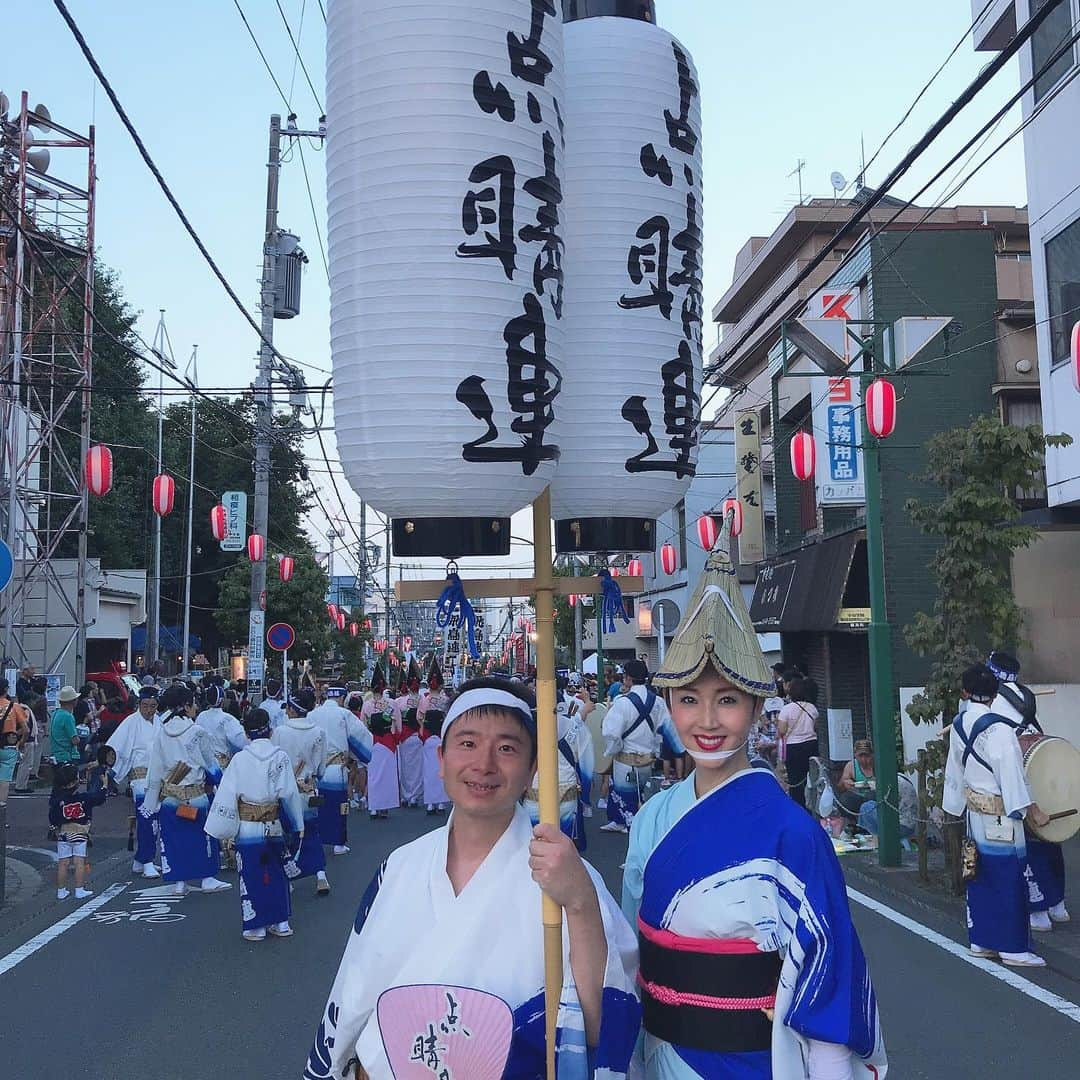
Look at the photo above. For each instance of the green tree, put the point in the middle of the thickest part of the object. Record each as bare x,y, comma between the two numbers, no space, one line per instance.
978,469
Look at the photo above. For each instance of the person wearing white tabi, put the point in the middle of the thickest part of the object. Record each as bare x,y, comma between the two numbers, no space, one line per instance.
182,768
258,805
985,783
462,976
132,742
305,743
345,736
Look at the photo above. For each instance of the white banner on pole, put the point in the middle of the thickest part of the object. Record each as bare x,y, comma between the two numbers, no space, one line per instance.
235,503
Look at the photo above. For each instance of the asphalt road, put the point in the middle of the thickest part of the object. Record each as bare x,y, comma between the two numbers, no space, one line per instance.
145,986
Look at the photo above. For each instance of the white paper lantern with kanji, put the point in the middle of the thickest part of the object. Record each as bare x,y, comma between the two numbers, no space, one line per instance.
803,455
734,507
219,522
669,559
256,547
881,408
286,567
633,315
444,170
164,494
99,468
708,531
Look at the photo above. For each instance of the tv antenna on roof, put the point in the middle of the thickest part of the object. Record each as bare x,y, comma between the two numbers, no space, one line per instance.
798,171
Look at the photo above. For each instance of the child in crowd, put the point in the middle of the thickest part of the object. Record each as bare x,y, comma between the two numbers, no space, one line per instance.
69,814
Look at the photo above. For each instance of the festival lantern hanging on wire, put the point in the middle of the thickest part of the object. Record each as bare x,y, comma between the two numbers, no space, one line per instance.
99,469
219,522
708,531
332,611
452,139
633,223
256,547
286,567
354,629
164,494
341,620
881,408
572,600
1074,355
803,456
669,559
734,507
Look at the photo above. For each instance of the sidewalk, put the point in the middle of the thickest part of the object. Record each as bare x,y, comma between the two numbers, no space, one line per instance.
900,886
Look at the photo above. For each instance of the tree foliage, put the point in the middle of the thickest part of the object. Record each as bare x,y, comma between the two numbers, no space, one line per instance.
978,470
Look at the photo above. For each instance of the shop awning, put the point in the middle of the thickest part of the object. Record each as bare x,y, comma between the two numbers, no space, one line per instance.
804,590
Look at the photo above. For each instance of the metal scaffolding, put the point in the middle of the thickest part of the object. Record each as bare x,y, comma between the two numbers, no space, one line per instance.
46,338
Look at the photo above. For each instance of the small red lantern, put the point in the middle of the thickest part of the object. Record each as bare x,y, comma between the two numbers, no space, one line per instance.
354,628
734,507
615,571
572,600
708,531
341,620
286,567
803,456
164,494
332,611
669,559
1074,356
256,547
218,522
881,408
634,568
99,470
367,624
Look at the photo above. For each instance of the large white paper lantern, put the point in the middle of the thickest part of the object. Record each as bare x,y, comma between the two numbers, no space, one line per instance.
633,315
444,184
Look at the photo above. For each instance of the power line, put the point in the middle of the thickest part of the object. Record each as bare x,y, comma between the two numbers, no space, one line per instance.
296,50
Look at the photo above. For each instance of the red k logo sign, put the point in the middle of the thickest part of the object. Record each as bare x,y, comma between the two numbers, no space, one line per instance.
73,811
835,305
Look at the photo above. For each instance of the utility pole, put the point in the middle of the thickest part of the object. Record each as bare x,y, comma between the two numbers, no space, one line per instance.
163,350
193,377
264,413
579,622
362,567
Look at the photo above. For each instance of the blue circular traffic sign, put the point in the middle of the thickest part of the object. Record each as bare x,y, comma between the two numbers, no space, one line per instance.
280,637
7,566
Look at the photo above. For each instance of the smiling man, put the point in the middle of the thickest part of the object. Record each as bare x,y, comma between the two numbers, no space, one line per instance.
472,891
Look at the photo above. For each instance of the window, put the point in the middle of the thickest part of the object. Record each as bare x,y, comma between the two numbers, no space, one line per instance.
1063,289
1047,40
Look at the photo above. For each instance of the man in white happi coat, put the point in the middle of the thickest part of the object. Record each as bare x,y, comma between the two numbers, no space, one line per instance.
985,783
305,743
226,732
634,728
274,703
132,742
345,736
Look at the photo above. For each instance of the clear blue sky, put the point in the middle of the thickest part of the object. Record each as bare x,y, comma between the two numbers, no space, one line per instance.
780,82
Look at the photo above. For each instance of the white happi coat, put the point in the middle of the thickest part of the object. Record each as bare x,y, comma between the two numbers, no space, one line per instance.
133,740
179,740
489,937
622,715
260,773
275,709
305,743
410,760
226,733
998,748
344,735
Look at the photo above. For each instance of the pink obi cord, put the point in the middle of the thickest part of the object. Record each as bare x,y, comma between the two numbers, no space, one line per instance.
712,946
666,996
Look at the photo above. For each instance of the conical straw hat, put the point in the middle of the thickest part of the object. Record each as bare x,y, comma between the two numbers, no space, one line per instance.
716,629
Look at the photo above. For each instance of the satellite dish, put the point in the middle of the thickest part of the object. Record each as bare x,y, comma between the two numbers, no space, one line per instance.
43,116
838,182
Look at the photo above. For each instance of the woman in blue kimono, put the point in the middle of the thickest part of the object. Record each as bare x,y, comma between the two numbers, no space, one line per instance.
750,964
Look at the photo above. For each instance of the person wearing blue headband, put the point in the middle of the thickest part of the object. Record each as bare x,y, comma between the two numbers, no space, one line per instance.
472,893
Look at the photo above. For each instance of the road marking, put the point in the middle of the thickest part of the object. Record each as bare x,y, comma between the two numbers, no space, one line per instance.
1004,974
17,956
47,852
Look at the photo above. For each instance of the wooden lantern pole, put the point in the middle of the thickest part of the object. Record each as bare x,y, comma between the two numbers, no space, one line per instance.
544,586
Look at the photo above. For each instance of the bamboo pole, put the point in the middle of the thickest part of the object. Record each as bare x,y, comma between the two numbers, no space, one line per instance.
547,755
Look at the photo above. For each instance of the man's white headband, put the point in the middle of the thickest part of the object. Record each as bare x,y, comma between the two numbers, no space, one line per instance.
475,699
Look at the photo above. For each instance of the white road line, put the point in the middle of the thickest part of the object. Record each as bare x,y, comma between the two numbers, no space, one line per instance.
998,971
17,956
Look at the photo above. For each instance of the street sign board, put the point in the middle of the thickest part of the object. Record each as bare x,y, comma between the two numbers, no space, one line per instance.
7,567
280,637
256,621
235,503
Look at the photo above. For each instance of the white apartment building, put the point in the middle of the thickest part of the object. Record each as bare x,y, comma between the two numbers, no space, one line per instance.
1052,156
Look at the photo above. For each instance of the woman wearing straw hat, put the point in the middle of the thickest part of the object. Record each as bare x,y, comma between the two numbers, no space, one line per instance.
750,964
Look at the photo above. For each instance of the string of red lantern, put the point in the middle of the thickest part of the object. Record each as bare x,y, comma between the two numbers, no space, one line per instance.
803,455
881,408
219,523
286,567
99,469
708,531
734,507
669,559
164,494
256,547
634,568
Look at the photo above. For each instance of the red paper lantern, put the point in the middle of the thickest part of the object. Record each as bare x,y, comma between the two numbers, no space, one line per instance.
367,624
1075,356
256,547
99,470
634,568
341,620
669,559
354,628
881,408
734,507
615,571
803,456
164,494
572,600
286,567
332,611
708,531
218,522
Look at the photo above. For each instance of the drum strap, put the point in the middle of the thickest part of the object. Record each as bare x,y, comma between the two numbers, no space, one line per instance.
987,720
